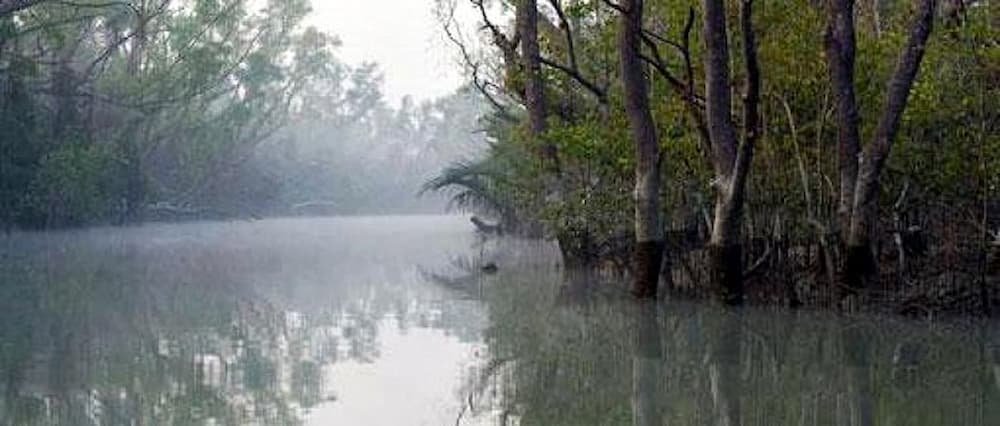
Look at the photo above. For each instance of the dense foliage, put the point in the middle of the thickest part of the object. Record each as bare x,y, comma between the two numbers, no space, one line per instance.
115,112
940,188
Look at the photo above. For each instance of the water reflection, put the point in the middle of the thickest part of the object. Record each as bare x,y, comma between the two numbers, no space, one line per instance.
647,367
331,321
225,323
608,361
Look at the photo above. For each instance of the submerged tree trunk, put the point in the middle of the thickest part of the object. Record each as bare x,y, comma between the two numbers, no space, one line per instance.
731,158
840,56
724,367
861,262
647,368
857,362
648,214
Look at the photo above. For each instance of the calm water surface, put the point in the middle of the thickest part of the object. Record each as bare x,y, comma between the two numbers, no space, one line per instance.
390,321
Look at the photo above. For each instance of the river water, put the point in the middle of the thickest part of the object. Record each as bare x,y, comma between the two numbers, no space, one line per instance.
392,321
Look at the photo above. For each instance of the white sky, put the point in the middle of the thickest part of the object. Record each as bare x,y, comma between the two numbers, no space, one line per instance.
402,36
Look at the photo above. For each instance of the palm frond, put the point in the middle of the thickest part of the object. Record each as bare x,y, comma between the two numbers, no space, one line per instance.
460,173
477,186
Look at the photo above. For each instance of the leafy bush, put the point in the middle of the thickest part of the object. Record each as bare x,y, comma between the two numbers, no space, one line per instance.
75,185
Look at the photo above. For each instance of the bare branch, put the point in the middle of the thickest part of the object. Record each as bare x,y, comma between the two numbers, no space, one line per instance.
660,65
695,104
482,86
507,45
573,69
597,91
567,30
751,99
686,52
654,36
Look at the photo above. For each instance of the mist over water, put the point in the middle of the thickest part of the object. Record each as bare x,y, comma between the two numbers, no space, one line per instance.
391,320
665,212
268,322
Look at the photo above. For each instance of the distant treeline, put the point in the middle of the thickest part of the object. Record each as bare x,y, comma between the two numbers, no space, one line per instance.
119,112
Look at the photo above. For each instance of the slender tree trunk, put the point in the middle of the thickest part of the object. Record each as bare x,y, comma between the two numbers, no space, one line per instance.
135,193
861,262
840,56
724,251
648,213
731,158
64,86
534,86
574,243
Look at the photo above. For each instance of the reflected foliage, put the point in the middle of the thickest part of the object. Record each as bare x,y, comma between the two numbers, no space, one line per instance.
201,324
612,361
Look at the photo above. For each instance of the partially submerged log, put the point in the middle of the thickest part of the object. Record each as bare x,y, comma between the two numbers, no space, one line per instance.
485,227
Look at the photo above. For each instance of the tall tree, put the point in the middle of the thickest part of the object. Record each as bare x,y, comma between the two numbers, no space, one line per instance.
534,86
132,171
648,214
840,56
731,157
861,266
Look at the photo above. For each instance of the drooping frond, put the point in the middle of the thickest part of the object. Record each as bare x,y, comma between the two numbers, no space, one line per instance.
476,186
460,173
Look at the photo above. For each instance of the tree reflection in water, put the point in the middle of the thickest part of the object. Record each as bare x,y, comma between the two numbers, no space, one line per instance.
609,361
205,324
241,324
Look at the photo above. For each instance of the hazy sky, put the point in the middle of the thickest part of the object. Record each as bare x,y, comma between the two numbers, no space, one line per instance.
401,35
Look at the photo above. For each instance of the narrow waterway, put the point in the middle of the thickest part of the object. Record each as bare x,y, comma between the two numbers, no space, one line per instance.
393,321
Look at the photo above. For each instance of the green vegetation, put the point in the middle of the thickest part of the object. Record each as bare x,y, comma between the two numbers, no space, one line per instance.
118,112
821,152
938,200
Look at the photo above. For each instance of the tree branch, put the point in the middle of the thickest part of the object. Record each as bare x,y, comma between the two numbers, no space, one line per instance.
694,104
481,85
499,38
567,30
751,99
654,36
9,7
597,91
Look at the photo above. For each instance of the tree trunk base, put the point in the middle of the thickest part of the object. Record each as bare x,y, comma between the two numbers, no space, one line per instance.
859,268
577,286
726,271
648,259
577,252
